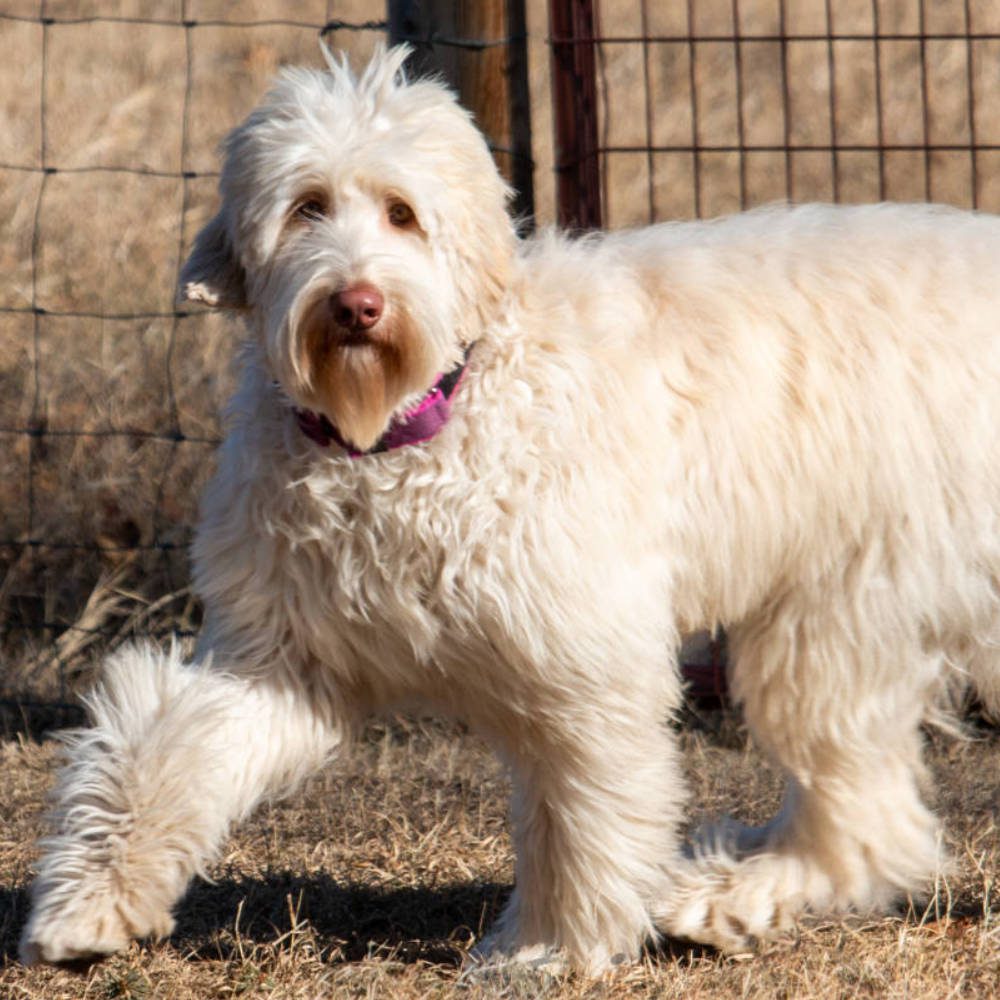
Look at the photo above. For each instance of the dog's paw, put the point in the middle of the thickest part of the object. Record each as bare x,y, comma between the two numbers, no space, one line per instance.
495,959
493,953
87,929
734,904
529,969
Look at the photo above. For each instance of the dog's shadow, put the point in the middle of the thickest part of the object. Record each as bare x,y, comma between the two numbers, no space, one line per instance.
353,922
349,922
227,918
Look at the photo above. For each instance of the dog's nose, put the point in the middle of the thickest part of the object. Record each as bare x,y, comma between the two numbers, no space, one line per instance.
357,307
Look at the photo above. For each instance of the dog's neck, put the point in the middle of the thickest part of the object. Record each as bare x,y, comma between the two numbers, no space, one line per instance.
414,426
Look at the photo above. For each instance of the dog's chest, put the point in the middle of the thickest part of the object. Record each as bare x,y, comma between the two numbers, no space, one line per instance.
388,558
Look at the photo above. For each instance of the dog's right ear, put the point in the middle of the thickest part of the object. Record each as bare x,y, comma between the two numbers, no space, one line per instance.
212,274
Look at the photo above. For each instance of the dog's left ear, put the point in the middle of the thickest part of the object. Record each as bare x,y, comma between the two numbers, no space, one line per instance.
212,274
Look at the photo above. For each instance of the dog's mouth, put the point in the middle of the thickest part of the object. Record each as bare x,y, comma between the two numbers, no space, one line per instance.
354,339
338,337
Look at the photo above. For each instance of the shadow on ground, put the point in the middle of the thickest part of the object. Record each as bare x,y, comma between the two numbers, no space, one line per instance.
350,922
37,719
227,919
13,913
354,921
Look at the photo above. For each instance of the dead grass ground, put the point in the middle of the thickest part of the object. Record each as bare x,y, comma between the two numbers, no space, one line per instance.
377,876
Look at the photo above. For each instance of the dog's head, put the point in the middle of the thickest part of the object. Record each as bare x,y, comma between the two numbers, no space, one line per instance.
364,229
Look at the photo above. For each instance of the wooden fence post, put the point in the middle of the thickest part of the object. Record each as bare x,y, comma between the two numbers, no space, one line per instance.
574,96
481,48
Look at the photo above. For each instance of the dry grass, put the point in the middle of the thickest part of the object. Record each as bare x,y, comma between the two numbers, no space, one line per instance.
376,878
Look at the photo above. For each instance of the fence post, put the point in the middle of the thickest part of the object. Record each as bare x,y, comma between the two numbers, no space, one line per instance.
481,47
574,95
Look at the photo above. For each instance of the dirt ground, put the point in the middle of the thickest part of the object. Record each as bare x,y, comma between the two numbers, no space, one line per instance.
377,877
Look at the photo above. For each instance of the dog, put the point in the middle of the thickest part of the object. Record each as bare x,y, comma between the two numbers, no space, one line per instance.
499,478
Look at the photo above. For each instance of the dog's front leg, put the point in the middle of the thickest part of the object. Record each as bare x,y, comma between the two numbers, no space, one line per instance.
175,754
597,801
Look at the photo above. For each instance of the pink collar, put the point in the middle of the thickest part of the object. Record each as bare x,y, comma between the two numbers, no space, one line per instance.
415,426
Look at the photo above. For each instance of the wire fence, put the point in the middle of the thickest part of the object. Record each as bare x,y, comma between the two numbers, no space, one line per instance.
710,106
109,392
641,111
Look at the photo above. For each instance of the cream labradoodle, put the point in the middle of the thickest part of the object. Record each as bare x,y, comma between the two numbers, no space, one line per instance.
498,479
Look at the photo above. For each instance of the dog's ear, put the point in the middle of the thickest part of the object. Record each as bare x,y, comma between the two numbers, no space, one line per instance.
212,274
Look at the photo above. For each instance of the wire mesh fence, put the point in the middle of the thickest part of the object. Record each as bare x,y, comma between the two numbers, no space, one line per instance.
711,106
108,414
112,113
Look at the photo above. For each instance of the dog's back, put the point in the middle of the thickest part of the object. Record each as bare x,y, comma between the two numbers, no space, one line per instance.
831,377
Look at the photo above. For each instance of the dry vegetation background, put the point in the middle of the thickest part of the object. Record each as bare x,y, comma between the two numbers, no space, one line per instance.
375,878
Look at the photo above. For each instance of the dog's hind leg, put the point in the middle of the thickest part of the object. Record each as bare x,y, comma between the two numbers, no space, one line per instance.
838,707
174,756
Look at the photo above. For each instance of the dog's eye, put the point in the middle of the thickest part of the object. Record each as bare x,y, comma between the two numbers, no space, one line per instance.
309,209
400,214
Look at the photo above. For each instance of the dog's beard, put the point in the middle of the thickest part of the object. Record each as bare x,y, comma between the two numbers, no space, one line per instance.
358,381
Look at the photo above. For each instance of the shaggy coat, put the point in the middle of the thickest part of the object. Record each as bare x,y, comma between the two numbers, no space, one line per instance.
784,423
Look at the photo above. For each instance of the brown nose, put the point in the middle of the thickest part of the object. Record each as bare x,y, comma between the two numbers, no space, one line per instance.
357,307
